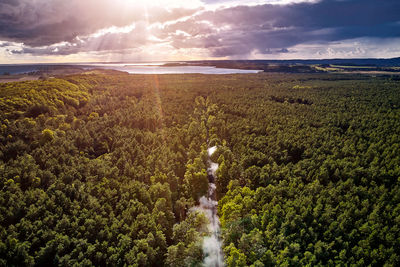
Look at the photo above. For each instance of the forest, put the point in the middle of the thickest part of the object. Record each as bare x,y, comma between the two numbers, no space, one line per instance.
104,168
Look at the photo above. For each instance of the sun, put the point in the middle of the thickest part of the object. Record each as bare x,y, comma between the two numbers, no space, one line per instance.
169,4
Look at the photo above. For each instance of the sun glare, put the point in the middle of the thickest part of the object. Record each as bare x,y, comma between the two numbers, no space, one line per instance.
161,3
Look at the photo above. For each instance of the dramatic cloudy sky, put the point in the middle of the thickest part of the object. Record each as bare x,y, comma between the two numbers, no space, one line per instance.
130,30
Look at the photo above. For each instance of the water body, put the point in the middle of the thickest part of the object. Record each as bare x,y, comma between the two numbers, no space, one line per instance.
18,69
154,69
134,68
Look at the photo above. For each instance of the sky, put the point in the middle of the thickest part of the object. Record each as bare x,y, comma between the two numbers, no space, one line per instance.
45,31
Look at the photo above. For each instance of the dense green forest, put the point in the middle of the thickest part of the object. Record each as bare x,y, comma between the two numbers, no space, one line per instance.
103,169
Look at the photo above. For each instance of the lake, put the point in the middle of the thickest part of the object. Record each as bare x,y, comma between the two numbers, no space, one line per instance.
159,69
134,68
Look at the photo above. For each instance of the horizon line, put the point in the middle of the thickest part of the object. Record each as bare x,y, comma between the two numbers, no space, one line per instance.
198,60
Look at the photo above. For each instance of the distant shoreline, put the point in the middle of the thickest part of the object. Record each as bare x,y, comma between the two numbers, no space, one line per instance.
27,72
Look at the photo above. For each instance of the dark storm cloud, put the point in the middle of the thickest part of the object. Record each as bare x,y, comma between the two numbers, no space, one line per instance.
233,31
39,23
266,27
114,42
9,2
46,22
327,13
